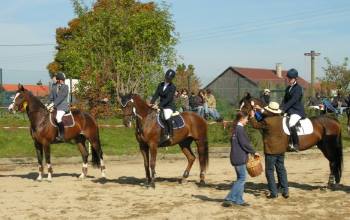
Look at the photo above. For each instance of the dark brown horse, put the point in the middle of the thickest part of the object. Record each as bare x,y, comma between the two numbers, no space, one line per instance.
44,133
326,136
148,133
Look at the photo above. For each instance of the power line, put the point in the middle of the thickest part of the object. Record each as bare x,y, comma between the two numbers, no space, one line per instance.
27,45
222,28
262,26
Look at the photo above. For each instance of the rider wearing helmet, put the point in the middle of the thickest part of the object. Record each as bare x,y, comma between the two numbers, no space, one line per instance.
58,99
166,91
293,106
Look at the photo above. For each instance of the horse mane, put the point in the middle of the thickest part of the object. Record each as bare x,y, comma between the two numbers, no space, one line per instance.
34,100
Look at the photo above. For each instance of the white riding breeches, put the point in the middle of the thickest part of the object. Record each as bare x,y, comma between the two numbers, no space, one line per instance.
59,116
167,113
294,118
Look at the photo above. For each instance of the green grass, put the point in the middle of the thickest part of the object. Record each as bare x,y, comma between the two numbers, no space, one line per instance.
115,141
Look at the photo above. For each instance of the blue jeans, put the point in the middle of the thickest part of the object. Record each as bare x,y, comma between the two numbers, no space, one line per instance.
236,193
213,113
200,110
273,161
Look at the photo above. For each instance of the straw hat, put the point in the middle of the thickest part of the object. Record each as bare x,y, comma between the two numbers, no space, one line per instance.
267,91
273,107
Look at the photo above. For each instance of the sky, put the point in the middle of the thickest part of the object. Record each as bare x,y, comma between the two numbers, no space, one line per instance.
213,35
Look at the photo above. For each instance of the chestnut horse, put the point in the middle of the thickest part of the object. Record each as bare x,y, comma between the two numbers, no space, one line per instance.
326,136
44,133
148,134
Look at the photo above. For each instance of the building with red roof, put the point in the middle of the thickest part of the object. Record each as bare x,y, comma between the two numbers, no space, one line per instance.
234,82
36,90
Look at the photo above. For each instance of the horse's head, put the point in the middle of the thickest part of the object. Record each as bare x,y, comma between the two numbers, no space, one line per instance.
248,103
128,106
19,102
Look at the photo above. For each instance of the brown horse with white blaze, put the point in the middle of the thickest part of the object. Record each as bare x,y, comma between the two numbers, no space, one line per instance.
326,135
44,133
148,134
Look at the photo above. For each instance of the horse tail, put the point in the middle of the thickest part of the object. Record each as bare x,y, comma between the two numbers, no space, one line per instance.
203,153
338,163
94,140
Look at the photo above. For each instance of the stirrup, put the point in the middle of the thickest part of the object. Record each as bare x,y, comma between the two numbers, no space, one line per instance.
164,139
291,148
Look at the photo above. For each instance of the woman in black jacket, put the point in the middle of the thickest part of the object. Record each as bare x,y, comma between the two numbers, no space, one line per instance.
240,148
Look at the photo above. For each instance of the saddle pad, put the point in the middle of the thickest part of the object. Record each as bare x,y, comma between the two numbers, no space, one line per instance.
304,128
177,121
68,120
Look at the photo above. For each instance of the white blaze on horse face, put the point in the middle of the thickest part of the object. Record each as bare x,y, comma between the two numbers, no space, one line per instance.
12,106
240,108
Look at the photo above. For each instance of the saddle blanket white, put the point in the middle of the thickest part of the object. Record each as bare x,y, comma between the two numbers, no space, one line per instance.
305,128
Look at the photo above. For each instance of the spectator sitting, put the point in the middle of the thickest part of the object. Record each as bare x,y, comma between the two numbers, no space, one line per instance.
328,107
211,102
315,102
339,102
191,101
177,101
265,97
184,100
198,104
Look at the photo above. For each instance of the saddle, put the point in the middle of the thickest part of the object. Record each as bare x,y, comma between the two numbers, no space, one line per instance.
68,119
304,126
176,120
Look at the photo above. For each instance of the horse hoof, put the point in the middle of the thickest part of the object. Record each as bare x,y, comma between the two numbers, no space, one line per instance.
39,179
49,180
183,181
201,183
82,176
103,175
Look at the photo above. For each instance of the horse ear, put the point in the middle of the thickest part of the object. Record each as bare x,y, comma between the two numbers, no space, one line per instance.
20,87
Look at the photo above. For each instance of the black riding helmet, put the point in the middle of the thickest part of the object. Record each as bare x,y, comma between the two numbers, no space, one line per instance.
170,74
292,74
60,76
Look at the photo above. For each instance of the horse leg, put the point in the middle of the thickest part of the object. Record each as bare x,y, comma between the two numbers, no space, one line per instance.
48,162
153,150
202,148
39,154
145,154
186,149
82,148
322,146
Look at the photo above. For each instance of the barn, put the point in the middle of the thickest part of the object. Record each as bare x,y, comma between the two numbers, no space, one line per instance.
232,84
7,92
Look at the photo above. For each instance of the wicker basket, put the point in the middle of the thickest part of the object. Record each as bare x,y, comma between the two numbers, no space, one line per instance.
254,166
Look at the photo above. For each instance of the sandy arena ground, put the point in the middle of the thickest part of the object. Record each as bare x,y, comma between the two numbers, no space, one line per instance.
121,195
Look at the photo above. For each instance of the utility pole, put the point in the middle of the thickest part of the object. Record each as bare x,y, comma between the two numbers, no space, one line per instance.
313,55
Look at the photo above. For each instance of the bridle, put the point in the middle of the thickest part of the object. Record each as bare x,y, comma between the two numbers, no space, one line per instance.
13,104
133,108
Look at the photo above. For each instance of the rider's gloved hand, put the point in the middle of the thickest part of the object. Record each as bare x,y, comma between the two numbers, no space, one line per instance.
50,107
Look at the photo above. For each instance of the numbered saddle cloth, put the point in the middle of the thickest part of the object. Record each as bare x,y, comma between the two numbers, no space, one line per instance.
68,120
176,119
304,126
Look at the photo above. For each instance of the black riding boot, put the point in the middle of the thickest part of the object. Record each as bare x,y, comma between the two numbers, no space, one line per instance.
60,136
165,136
170,128
295,139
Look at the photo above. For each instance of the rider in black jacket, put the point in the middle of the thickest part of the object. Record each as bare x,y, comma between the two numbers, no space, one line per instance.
293,106
166,92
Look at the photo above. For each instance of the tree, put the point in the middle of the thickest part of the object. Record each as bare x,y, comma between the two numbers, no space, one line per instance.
186,78
124,42
337,76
